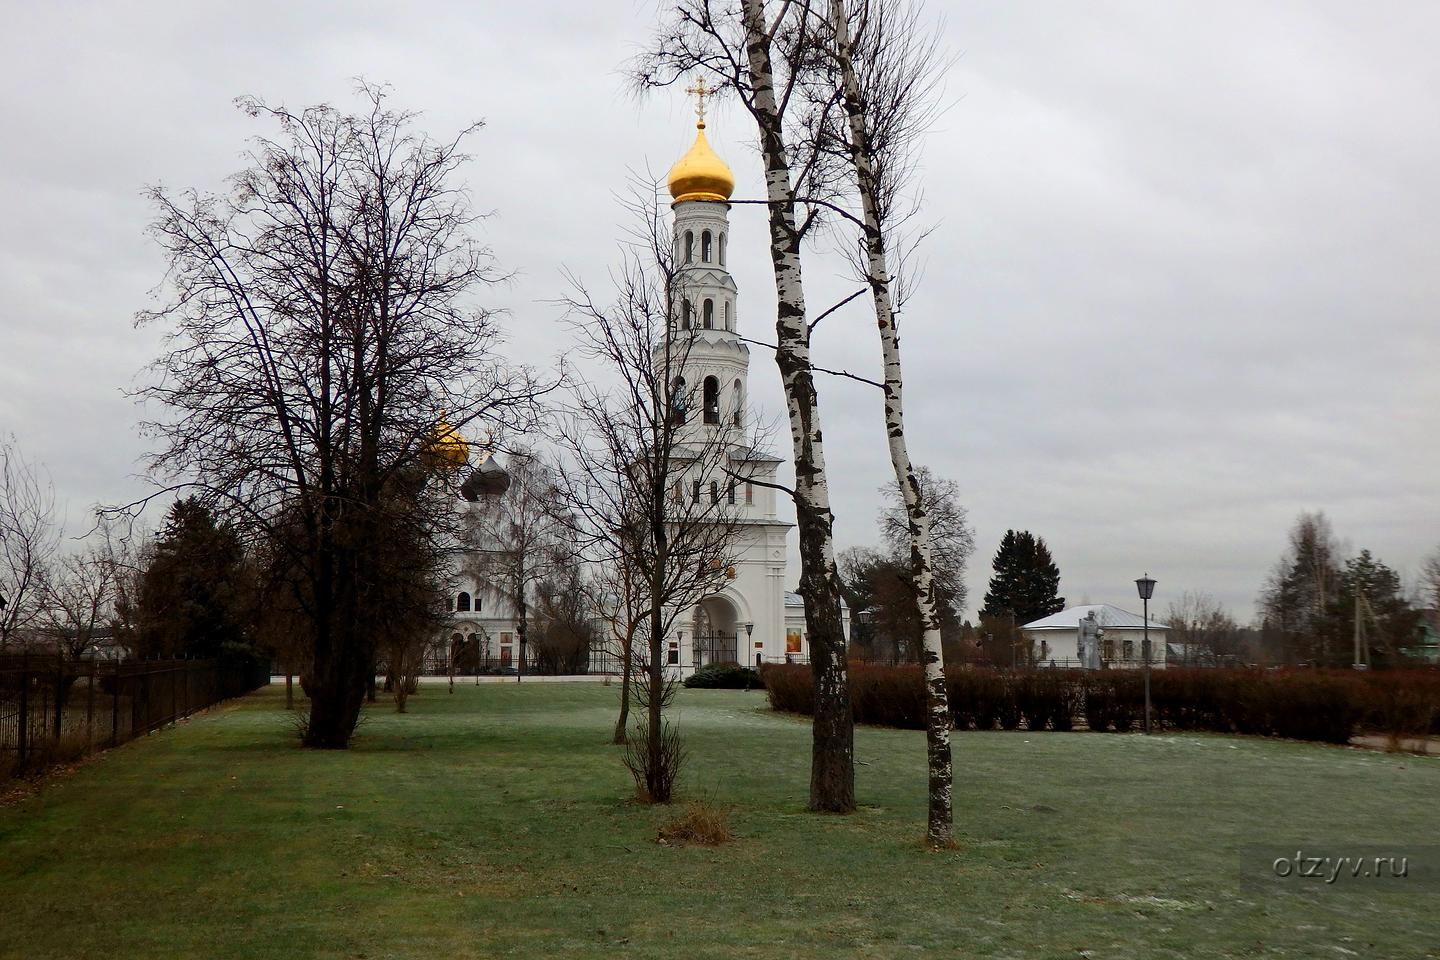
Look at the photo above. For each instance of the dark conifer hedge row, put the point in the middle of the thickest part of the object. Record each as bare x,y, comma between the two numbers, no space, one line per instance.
1327,706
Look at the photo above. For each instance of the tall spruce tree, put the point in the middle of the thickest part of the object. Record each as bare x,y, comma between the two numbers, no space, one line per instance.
193,595
1026,580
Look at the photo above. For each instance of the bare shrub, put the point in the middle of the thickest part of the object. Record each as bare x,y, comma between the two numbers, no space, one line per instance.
703,823
655,770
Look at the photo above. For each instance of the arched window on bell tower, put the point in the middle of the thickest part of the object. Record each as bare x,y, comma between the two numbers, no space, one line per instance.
711,397
722,249
685,315
705,247
739,403
709,314
729,325
677,401
689,246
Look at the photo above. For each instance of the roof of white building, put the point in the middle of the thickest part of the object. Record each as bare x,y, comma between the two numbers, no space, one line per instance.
795,600
1107,614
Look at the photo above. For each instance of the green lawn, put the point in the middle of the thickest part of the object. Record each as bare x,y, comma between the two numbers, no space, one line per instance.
497,822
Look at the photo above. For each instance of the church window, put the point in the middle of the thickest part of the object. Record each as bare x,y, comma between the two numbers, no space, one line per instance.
714,491
728,324
673,657
711,399
705,246
689,246
685,315
695,492
679,492
677,400
709,314
749,492
462,602
1129,649
731,492
739,403
722,249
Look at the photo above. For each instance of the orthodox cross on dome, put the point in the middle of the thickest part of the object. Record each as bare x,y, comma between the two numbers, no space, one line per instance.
699,91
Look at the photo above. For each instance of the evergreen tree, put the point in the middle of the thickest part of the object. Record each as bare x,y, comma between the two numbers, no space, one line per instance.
1026,581
1299,598
1388,622
193,594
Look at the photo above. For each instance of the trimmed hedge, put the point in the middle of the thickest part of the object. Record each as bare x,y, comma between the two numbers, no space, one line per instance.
1319,705
725,676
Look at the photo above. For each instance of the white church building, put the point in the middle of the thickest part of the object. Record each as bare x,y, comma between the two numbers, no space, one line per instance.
753,618
1056,640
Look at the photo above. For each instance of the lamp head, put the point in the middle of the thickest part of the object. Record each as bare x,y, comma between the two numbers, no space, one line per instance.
1146,586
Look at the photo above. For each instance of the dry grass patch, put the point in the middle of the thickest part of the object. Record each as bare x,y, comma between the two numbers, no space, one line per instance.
702,823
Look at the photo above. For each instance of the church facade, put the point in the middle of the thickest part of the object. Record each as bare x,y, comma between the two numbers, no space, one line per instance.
752,618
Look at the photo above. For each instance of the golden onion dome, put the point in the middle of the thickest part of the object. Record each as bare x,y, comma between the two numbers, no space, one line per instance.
445,448
701,174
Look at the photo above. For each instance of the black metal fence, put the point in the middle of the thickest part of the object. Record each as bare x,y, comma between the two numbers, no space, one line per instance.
54,709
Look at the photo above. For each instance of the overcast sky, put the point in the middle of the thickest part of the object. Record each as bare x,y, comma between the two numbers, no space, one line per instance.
1183,282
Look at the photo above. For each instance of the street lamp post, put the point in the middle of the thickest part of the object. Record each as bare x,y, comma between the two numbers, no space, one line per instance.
1146,586
749,632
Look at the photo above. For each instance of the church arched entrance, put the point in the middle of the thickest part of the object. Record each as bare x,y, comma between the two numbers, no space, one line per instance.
717,632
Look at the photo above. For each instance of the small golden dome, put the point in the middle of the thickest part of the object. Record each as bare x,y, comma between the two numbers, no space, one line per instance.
701,174
445,448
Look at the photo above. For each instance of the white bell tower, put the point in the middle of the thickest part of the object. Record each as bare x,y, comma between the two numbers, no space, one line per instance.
746,619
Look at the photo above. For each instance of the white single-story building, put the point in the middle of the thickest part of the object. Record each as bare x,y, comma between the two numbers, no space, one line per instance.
1054,640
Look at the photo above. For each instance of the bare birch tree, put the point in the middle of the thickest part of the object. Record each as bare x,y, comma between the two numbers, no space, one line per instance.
29,538
766,54
641,475
884,64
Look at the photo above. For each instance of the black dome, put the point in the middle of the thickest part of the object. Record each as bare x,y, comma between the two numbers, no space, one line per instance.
490,479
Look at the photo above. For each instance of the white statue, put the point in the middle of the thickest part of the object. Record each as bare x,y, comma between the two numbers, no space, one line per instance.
1087,642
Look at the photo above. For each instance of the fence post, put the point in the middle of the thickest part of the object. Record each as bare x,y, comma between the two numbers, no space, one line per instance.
174,694
59,692
115,707
90,708
21,736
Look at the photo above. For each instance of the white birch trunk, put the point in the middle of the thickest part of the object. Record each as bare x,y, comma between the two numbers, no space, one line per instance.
832,772
937,727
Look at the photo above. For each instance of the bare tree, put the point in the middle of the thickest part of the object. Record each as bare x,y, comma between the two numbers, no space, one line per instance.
952,539
1203,627
1430,580
565,629
29,538
647,485
516,539
619,596
79,600
766,54
884,70
321,322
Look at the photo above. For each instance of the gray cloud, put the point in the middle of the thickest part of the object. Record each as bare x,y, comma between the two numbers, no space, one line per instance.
1183,283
